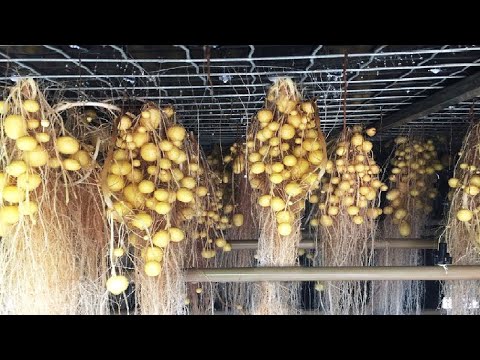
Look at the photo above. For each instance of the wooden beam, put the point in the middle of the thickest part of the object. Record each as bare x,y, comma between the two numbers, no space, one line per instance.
343,273
463,90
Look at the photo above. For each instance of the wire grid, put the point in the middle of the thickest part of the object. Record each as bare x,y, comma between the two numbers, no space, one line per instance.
216,98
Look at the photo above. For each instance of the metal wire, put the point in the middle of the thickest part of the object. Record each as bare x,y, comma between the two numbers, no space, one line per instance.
274,58
382,81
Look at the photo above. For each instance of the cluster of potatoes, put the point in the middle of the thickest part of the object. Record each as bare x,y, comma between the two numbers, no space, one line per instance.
285,153
145,177
352,185
223,168
412,180
35,145
210,223
159,188
467,181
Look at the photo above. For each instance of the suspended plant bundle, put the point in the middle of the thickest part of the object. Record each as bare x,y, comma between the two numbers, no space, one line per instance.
412,186
314,258
463,226
156,185
237,296
312,220
145,189
49,259
245,226
206,228
225,168
287,155
234,298
94,127
348,209
207,222
412,191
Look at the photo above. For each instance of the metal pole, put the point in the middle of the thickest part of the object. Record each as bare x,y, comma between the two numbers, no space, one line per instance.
344,273
380,244
315,312
406,244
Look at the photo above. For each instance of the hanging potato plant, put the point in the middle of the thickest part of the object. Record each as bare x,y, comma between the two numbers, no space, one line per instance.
412,189
46,176
346,221
462,232
286,155
156,187
144,198
412,185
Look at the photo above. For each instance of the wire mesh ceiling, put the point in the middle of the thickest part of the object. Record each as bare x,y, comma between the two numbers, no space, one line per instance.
217,88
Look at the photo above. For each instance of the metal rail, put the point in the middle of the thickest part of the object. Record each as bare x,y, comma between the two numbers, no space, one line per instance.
347,273
380,244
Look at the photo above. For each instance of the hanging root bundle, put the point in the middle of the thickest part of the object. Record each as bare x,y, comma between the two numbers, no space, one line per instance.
142,187
398,297
346,220
239,224
286,153
235,298
156,183
94,128
227,170
463,226
409,202
412,187
48,256
206,229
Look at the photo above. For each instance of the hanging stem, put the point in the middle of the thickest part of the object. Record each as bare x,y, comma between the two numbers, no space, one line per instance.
207,56
345,86
471,113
